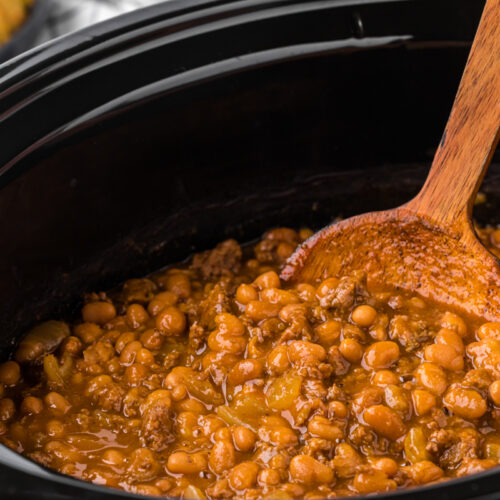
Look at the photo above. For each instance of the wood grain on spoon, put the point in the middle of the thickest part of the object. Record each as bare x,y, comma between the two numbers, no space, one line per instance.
429,245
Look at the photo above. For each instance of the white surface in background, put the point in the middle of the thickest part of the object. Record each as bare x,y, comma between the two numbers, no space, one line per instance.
70,15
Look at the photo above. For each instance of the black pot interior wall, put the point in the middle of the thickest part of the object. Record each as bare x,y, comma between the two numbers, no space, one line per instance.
296,143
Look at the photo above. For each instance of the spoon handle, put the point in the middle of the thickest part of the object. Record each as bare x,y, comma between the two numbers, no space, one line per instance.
470,136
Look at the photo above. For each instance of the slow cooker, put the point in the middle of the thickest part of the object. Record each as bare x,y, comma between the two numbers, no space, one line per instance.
133,143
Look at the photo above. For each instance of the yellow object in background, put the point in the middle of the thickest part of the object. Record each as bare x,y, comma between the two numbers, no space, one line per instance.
12,15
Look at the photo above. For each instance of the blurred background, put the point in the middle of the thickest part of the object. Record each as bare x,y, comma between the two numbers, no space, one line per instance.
27,23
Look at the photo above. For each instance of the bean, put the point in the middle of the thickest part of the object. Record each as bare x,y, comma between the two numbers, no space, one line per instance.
432,377
31,406
466,403
378,333
149,490
305,233
327,286
129,352
55,428
164,484
301,351
136,315
243,476
223,342
423,401
385,421
7,409
145,356
161,301
246,293
494,392
269,279
308,471
152,339
123,340
337,409
72,345
222,457
268,477
210,424
113,457
323,428
352,350
181,462
381,355
230,324
397,399
328,332
62,451
258,311
277,360
42,339
171,321
186,423
244,439
385,377
425,472
489,330
279,297
452,321
10,373
178,283
98,312
373,481
284,250
57,403
445,356
449,337
88,332
278,435
245,370
364,315
386,465
306,292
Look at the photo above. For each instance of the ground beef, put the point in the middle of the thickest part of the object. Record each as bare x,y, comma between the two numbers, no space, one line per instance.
451,447
41,458
342,296
276,246
410,334
224,259
216,302
196,337
340,366
157,421
109,397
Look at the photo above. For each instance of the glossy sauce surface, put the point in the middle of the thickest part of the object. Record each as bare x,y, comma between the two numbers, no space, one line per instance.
212,380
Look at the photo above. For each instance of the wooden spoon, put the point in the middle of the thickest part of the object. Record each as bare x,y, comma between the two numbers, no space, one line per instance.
428,245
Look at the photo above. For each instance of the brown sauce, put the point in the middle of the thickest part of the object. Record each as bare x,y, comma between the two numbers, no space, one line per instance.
212,380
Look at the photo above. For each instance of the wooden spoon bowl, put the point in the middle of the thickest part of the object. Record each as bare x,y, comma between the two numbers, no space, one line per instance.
429,246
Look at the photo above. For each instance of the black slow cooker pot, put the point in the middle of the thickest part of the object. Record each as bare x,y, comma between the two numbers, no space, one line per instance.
135,142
